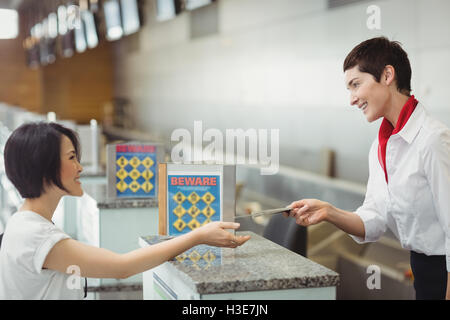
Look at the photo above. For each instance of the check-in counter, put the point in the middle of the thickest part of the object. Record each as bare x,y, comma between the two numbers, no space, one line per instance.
259,269
114,225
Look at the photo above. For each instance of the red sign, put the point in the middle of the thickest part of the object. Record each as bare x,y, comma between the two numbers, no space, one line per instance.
193,181
135,148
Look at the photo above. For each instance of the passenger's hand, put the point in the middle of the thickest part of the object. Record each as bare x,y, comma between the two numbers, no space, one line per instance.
214,234
307,212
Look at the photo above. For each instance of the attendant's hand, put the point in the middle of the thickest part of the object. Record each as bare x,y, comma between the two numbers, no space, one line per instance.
214,234
308,211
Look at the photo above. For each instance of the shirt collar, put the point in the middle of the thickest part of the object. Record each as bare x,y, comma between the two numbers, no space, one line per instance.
412,127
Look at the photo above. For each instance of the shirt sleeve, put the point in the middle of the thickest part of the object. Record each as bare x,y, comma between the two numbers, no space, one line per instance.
47,240
373,219
437,169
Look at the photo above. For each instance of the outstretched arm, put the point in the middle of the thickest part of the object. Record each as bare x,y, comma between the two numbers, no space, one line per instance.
102,263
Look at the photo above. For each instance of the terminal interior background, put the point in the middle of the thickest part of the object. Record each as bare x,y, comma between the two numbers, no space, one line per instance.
248,64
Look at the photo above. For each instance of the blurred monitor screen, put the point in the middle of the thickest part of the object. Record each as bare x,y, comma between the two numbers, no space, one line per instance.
80,39
167,9
91,32
62,15
112,20
194,4
52,25
130,16
9,24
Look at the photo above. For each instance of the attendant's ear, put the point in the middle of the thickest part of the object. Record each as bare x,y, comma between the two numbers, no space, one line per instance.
388,75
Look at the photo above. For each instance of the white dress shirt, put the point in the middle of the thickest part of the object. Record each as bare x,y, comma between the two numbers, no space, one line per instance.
415,204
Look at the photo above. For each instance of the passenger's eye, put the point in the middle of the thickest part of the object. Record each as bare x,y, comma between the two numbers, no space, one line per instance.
72,157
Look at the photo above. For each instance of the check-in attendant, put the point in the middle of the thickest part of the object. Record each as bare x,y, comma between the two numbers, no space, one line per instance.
42,161
408,190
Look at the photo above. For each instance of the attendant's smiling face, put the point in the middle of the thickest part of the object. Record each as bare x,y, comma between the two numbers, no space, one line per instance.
367,94
70,168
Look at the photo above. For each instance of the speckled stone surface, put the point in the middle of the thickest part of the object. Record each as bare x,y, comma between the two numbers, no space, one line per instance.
257,265
128,203
115,288
99,193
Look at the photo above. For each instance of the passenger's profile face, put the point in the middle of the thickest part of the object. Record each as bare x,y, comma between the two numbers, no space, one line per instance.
70,168
366,93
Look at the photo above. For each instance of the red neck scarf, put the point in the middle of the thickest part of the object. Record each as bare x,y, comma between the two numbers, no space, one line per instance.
386,130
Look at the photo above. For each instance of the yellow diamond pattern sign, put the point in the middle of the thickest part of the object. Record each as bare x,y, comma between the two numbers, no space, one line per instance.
194,211
193,224
195,256
179,224
200,260
121,186
209,256
122,174
135,175
208,211
179,211
147,186
147,162
147,174
181,257
208,198
179,197
134,186
122,162
193,198
134,162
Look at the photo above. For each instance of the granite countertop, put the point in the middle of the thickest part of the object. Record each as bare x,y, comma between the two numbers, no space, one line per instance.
128,203
115,288
99,193
259,264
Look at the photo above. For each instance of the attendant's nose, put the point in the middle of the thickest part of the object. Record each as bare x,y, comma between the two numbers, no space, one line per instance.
353,100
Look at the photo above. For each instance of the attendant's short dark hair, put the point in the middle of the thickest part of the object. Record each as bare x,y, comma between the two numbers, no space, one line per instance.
33,157
373,55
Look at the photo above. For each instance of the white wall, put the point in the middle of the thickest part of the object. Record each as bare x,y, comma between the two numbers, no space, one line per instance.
278,64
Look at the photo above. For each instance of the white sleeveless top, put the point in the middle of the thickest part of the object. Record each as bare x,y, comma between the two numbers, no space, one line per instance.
27,240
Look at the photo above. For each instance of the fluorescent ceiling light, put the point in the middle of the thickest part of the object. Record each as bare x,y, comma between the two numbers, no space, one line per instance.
9,24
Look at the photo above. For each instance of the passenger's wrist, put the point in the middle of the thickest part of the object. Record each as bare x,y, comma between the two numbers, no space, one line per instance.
330,213
197,236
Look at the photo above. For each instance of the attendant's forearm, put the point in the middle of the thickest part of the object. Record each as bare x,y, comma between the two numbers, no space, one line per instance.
140,260
347,221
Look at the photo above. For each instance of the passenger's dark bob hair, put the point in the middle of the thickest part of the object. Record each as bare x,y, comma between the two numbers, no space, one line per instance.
33,157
